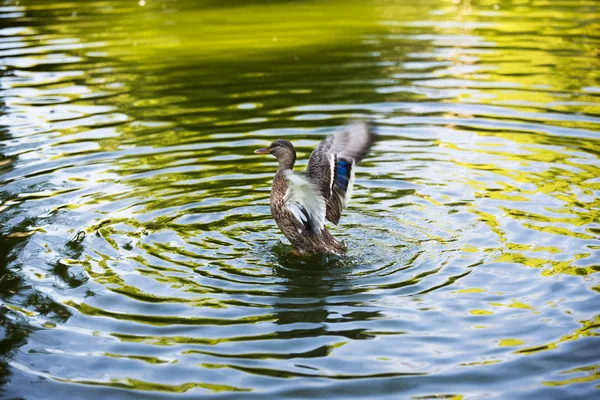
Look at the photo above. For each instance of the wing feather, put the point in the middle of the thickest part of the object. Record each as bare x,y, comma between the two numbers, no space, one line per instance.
305,202
331,165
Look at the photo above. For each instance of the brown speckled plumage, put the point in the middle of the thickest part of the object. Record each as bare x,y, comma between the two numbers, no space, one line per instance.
329,171
303,239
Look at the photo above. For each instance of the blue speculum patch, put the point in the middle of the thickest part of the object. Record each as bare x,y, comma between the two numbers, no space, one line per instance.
342,173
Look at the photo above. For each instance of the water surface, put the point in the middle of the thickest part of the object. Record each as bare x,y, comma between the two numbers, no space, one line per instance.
138,258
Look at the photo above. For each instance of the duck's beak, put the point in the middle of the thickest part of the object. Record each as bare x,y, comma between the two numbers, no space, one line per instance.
264,150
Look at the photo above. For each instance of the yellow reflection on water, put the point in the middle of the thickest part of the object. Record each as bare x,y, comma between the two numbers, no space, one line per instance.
235,30
510,342
587,329
590,373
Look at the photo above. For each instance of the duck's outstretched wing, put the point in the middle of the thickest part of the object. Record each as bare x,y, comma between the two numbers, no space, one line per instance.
331,164
305,202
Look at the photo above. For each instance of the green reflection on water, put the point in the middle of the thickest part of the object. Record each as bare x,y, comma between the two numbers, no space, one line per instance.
591,372
135,384
588,329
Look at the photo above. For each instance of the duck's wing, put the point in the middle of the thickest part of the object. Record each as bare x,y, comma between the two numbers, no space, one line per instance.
331,164
305,201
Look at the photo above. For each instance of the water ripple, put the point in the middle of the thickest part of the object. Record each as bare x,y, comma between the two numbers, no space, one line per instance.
137,253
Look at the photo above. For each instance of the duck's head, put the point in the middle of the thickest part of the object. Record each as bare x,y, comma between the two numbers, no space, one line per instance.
283,150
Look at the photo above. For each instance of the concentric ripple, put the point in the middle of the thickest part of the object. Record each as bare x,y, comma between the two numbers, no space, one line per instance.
138,257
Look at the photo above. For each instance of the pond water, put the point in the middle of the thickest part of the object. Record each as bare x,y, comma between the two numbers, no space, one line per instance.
138,257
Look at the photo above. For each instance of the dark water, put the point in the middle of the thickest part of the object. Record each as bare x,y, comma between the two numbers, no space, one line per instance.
474,230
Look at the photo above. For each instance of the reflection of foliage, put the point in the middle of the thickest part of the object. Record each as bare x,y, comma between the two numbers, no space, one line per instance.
590,373
17,302
13,336
588,329
158,102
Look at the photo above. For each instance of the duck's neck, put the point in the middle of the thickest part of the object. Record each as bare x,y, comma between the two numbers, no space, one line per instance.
287,162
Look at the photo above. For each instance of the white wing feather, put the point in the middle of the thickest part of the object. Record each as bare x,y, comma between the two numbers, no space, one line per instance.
305,201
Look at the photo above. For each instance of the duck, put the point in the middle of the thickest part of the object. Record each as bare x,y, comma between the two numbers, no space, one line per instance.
301,204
